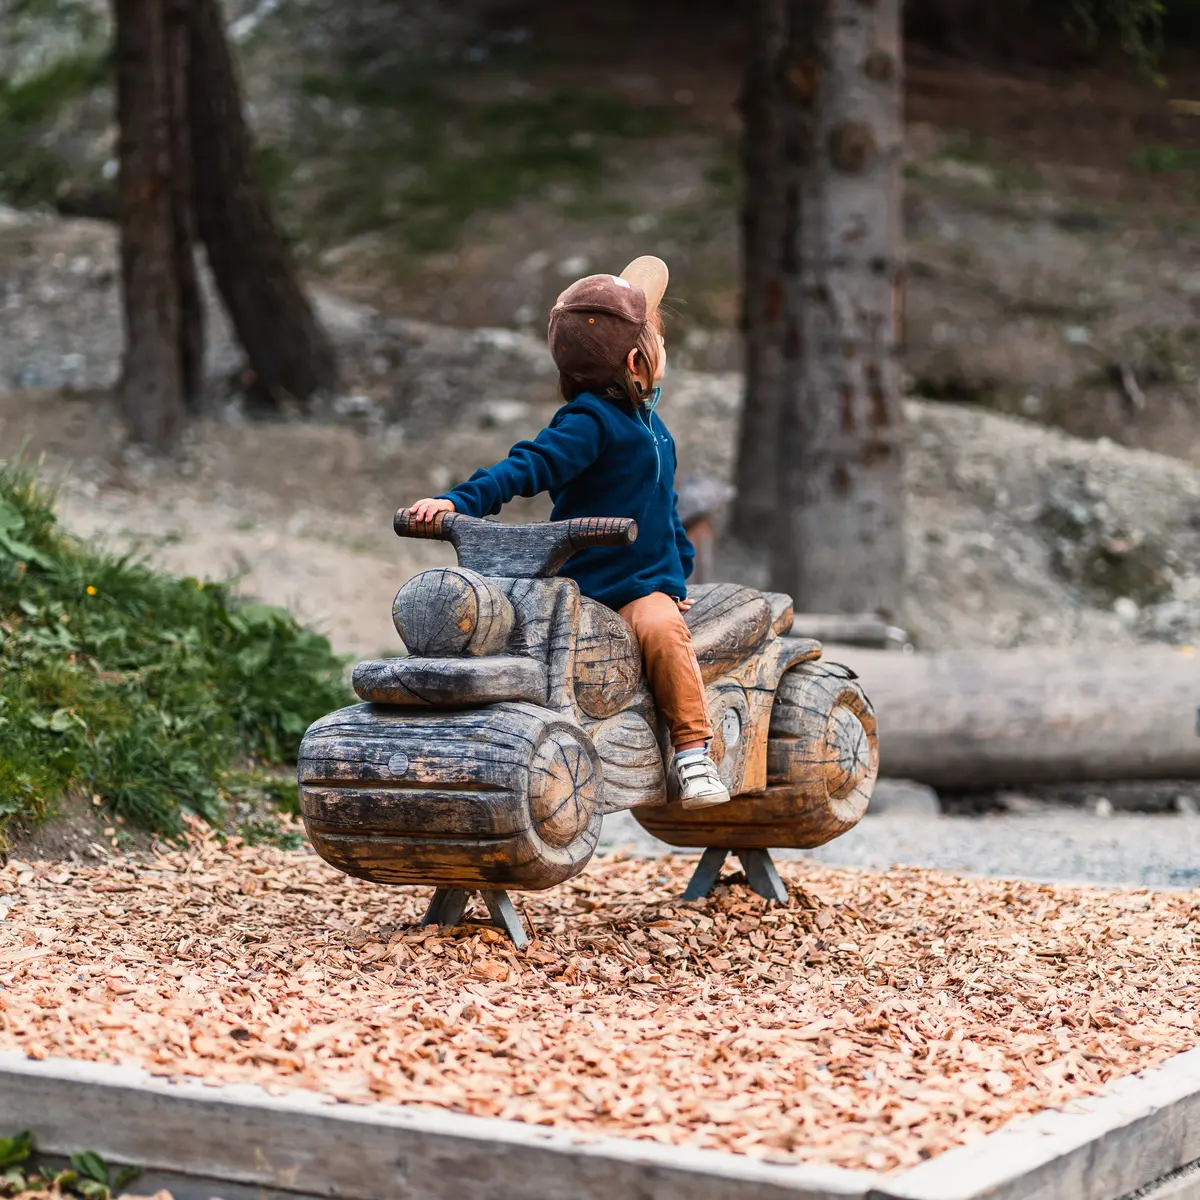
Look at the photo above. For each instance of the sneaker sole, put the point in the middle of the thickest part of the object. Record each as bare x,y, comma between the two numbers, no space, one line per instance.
705,802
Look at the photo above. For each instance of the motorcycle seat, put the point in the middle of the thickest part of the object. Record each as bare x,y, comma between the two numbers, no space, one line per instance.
729,623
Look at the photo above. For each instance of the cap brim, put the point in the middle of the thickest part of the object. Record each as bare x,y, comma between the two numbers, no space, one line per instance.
651,275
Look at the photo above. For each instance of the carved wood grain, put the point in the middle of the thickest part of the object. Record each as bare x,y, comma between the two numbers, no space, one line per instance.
760,676
782,816
822,756
565,780
783,612
517,862
450,682
824,740
631,762
728,623
426,812
608,662
534,551
729,753
450,611
547,616
506,795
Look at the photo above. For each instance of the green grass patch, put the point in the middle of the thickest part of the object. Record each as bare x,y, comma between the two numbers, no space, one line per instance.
41,96
30,172
146,690
419,160
1165,160
1007,174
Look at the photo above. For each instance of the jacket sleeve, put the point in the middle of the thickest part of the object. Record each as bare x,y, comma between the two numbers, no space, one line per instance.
551,460
687,552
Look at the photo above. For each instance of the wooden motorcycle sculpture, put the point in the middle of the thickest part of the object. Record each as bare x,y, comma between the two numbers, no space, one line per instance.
486,759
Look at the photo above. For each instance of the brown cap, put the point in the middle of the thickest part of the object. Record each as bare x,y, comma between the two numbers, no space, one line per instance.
596,321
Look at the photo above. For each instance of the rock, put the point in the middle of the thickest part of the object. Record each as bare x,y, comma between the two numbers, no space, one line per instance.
342,319
1176,620
494,414
1127,610
1017,802
903,797
357,405
575,266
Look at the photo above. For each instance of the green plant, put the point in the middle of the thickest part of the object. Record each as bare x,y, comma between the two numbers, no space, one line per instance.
1165,160
30,100
141,689
1137,25
14,1152
421,160
88,1176
94,1178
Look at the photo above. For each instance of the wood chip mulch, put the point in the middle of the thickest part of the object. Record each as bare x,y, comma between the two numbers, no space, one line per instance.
876,1020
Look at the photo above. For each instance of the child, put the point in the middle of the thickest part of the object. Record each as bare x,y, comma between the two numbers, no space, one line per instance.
606,453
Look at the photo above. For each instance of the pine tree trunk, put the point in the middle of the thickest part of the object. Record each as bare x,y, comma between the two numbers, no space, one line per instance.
163,330
290,354
838,542
768,216
191,303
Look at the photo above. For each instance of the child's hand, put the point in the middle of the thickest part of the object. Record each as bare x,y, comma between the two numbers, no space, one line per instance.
684,605
426,510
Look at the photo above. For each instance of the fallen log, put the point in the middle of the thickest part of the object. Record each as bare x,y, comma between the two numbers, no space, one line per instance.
989,718
849,629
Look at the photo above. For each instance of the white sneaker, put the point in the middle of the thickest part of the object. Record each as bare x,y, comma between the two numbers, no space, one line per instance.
694,782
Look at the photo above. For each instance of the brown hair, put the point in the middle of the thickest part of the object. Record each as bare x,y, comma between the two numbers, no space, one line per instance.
626,383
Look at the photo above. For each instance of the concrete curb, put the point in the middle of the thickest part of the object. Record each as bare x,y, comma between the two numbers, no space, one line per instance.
298,1143
1100,1148
241,1143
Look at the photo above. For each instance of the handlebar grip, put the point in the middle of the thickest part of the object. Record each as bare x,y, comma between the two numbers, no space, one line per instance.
601,531
437,530
516,551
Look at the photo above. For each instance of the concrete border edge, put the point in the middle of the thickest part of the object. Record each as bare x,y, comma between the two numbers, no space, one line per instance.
298,1143
1101,1147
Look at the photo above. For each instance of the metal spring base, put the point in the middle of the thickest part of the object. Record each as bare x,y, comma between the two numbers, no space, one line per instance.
449,904
761,874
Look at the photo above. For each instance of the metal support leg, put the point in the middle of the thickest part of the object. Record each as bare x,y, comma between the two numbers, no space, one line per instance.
707,872
761,874
449,906
505,916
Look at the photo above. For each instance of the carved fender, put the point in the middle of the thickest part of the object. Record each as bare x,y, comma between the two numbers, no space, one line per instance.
504,796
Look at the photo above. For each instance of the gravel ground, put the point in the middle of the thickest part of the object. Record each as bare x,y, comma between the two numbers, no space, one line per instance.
1066,845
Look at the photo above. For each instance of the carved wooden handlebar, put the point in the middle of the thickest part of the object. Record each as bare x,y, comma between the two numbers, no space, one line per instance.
437,529
517,551
599,531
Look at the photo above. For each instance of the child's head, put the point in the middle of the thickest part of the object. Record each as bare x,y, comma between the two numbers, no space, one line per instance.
605,332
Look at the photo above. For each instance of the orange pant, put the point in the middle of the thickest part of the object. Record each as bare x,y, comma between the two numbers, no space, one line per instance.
671,666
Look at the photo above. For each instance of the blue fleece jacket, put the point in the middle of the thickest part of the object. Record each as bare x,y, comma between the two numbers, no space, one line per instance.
599,457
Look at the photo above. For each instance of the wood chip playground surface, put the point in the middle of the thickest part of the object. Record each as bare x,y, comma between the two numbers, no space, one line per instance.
878,1019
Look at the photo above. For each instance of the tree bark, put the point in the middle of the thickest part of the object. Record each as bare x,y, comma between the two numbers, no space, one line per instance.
191,303
254,269
990,718
837,544
163,330
768,217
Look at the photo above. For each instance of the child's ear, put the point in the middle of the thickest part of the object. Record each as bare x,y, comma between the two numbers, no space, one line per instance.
632,361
